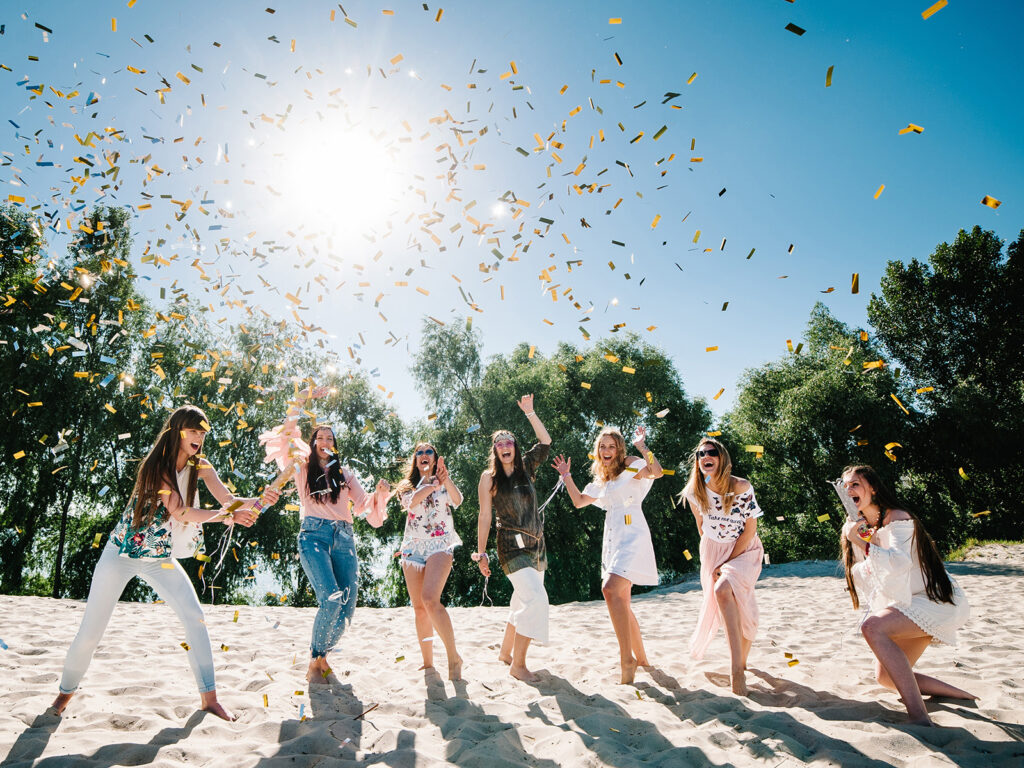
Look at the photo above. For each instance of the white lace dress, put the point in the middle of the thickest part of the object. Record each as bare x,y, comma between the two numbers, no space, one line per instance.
627,550
890,577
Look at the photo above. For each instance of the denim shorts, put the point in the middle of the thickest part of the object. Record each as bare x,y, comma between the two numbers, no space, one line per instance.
419,560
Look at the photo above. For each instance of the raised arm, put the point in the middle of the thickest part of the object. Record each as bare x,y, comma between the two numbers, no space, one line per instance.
652,468
483,523
235,509
563,467
295,406
526,404
445,479
374,507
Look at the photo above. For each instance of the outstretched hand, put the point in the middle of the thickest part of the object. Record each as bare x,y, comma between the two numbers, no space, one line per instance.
441,472
318,392
526,403
562,465
639,436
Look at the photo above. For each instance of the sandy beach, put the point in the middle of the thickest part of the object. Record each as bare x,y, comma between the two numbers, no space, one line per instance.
137,704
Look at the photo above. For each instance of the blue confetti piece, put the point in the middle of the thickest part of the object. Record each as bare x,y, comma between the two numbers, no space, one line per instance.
93,98
14,124
472,429
107,379
103,491
3,645
107,359
302,709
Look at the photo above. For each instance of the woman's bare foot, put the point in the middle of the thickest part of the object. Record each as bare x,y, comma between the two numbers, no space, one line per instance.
739,682
425,667
61,702
643,662
520,672
318,671
217,709
628,671
455,669
208,703
926,722
505,659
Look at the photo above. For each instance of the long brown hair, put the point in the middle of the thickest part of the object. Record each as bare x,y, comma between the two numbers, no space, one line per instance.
158,468
412,471
936,581
597,469
331,480
499,480
697,487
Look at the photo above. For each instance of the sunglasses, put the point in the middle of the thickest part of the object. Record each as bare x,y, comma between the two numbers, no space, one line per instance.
425,452
708,452
504,443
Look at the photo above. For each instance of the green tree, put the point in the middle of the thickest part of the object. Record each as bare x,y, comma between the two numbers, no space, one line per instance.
954,324
814,413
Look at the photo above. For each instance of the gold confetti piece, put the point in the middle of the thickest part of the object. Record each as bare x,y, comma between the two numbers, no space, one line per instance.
879,192
431,417
388,13
863,335
793,662
266,702
687,555
627,369
823,518
639,696
113,25
754,448
979,514
899,404
397,59
922,390
440,12
828,77
224,648
167,566
719,394
710,349
716,433
202,558
19,455
15,199
991,202
928,13
205,425
963,474
399,658
662,414
531,352
614,730
629,519
99,536
855,283
911,128
692,78
185,646
660,132
890,446
788,655
656,220
615,21
585,385
298,693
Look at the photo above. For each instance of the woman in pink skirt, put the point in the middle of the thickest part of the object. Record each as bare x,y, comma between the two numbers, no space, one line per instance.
730,555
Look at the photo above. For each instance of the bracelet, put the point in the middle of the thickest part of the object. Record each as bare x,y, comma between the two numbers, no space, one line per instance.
567,474
528,414
478,556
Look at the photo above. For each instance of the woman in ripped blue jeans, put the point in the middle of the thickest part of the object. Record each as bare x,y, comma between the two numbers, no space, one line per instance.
329,495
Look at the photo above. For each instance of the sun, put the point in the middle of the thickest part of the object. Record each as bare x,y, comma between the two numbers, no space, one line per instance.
338,182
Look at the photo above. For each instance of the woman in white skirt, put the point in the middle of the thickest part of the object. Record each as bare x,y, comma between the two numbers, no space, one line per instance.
627,555
913,601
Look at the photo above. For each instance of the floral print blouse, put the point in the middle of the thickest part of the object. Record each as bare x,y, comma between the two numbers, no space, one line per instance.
429,526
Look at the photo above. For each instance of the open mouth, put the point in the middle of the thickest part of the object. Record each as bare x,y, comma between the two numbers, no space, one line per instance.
708,465
195,447
506,455
855,499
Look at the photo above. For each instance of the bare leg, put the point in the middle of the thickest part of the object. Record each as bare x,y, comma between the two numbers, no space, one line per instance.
929,686
883,632
518,668
505,654
434,578
208,703
616,595
61,702
731,618
745,647
424,629
637,641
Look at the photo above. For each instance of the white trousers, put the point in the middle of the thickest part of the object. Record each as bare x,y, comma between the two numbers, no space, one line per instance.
112,574
528,609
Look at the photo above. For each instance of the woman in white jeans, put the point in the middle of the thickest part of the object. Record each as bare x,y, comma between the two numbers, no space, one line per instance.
140,545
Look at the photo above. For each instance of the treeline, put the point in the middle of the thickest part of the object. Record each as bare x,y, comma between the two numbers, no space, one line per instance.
932,394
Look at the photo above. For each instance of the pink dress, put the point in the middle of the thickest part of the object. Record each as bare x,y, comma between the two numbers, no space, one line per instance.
720,530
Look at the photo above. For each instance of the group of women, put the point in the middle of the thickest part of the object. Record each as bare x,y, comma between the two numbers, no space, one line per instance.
888,555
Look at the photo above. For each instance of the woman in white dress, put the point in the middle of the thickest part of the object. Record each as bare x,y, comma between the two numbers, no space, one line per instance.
627,555
913,602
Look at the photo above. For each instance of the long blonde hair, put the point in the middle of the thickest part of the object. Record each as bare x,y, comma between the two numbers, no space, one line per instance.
598,471
412,470
697,487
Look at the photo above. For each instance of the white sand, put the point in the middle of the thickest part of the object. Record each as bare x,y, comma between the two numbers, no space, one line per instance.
137,704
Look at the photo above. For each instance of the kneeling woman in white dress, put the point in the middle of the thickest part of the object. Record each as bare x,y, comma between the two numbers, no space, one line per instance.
890,558
627,555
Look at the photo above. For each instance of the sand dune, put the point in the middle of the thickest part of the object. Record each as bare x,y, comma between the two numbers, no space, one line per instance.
137,704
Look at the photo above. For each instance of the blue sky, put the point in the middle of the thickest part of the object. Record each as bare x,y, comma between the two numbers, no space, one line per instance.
322,177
